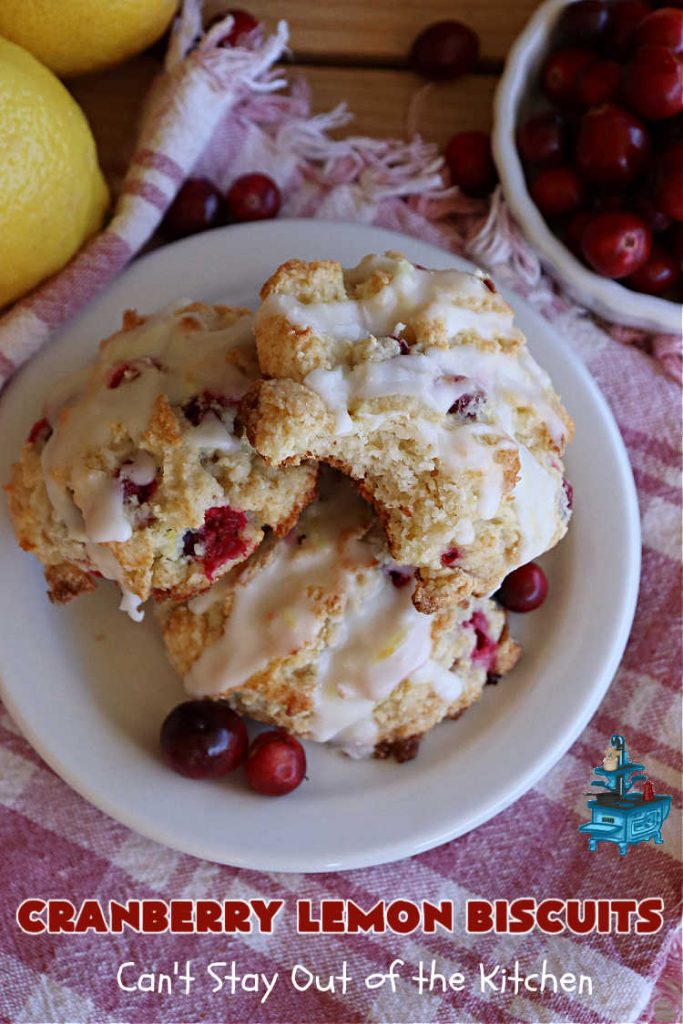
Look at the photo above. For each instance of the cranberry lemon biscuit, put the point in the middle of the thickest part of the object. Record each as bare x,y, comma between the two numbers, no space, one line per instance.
416,384
317,633
139,471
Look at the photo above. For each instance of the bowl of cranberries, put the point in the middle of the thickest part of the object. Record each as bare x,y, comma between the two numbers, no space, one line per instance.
588,139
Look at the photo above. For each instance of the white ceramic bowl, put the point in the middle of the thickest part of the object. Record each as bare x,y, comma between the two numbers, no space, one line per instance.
516,97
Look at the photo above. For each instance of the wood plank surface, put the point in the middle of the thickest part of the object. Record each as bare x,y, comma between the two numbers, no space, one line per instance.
384,103
381,31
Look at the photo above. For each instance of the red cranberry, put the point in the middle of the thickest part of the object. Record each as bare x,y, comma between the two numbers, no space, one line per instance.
599,83
616,244
542,140
197,206
657,275
557,191
276,763
625,17
200,405
203,739
245,27
583,21
40,432
663,28
445,51
525,589
469,158
468,406
612,145
401,577
644,206
254,197
568,493
653,83
486,648
573,237
561,72
450,557
219,540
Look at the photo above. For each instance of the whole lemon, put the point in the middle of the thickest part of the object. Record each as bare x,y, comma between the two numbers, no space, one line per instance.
76,36
52,193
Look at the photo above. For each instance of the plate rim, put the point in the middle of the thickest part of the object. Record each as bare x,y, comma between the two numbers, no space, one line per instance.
410,845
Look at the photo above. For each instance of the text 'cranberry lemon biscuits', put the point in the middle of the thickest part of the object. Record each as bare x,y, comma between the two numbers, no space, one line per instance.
317,633
139,471
416,384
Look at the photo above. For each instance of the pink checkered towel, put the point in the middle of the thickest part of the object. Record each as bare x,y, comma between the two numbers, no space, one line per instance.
221,112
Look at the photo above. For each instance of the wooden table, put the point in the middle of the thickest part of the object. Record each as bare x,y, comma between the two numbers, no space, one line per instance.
352,50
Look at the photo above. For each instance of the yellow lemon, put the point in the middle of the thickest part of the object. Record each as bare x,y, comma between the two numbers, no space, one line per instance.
52,193
75,36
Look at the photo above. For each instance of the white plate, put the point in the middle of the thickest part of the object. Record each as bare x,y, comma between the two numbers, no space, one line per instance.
89,688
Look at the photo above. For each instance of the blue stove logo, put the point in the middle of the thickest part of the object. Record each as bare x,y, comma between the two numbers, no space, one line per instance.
618,815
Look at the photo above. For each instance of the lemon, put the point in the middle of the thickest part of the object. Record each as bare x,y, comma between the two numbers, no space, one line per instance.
52,193
75,36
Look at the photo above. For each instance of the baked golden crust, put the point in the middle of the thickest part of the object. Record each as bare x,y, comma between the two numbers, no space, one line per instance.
418,386
180,425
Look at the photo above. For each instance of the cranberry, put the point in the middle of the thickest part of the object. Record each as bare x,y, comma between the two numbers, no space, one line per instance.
668,195
557,191
657,275
573,237
486,649
141,492
276,763
468,406
401,577
126,372
197,206
219,540
599,83
612,145
542,140
616,244
469,158
40,432
625,17
245,27
203,739
584,21
488,283
200,405
403,346
525,589
450,557
561,72
254,197
644,206
568,493
653,84
663,28
445,50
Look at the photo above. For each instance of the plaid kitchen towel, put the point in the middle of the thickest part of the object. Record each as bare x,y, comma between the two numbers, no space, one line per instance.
221,112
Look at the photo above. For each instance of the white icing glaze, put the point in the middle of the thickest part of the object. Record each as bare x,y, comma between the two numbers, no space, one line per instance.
380,639
535,496
163,356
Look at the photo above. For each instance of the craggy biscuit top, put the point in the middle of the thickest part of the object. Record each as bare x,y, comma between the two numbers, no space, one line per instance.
429,366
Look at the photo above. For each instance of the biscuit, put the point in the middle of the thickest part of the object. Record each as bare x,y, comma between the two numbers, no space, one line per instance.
317,633
140,471
417,385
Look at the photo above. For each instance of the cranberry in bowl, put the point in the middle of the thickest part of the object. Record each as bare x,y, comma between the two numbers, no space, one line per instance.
592,104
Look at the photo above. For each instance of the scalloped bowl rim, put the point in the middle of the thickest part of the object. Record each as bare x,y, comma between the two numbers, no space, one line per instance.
600,294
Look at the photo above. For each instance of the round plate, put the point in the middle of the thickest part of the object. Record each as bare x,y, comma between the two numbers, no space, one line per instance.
89,688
